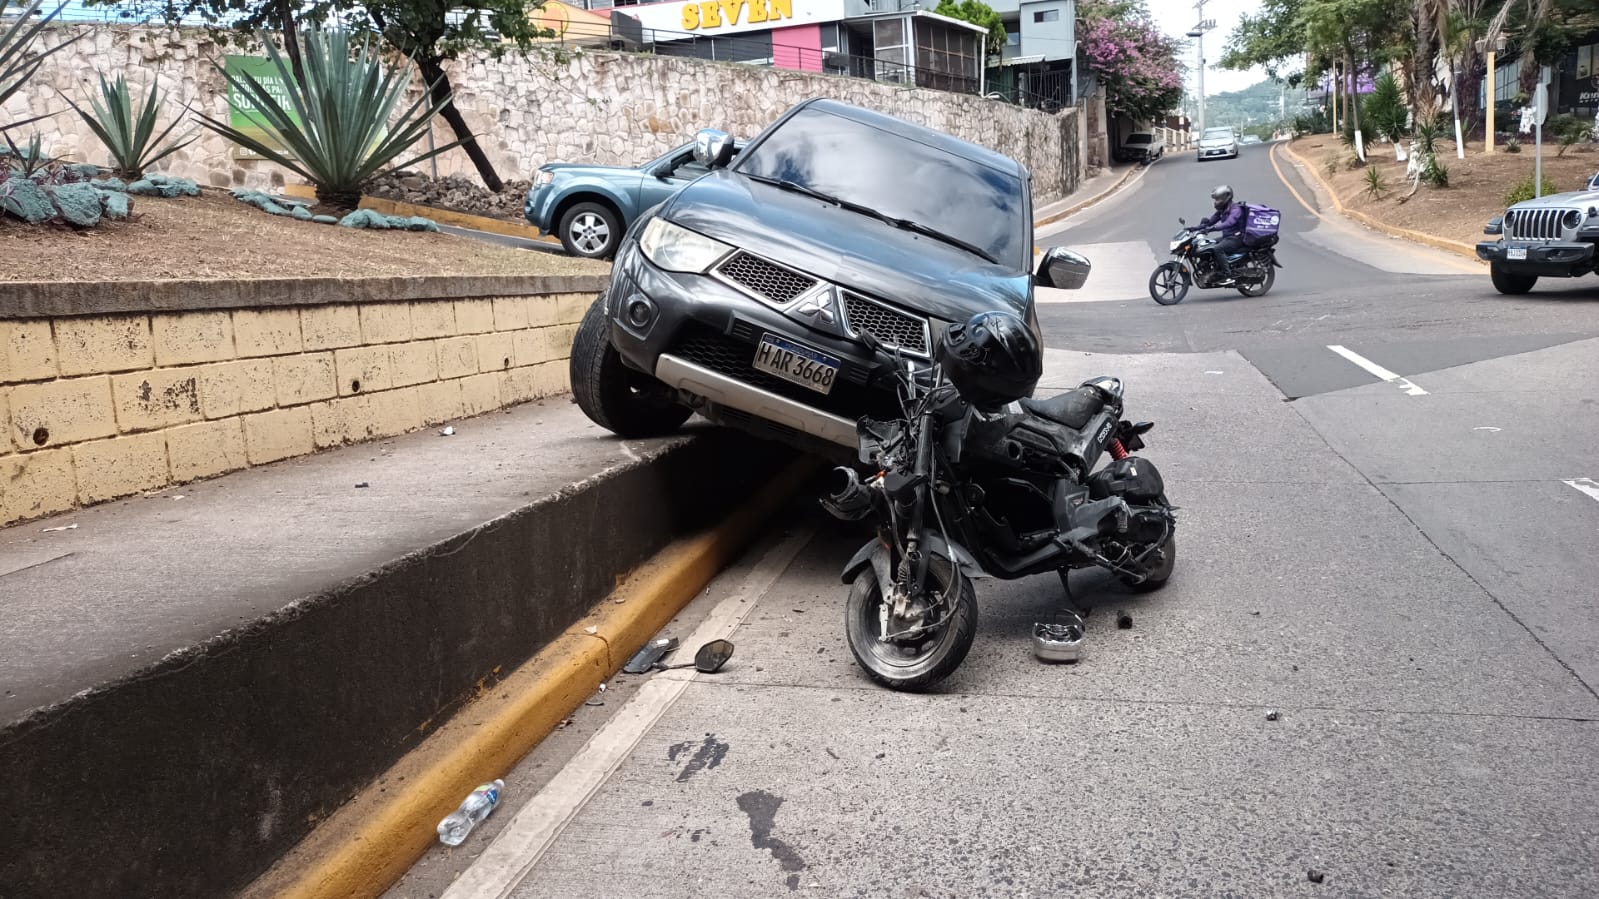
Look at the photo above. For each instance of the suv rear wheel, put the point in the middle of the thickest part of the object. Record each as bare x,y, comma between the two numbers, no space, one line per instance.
1510,282
625,402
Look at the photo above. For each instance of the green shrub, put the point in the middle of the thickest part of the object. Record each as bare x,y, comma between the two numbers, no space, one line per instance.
347,129
1512,146
1525,190
1434,172
1383,113
1428,133
130,138
1569,131
1312,123
1376,185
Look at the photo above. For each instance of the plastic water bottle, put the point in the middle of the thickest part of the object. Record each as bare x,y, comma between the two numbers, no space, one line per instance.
476,807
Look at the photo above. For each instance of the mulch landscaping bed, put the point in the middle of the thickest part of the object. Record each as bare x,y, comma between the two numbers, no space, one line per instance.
216,236
1477,184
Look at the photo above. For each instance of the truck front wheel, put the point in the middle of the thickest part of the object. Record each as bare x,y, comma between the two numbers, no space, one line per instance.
1510,282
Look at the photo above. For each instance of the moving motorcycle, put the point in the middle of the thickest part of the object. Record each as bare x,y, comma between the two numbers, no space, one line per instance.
969,485
1254,270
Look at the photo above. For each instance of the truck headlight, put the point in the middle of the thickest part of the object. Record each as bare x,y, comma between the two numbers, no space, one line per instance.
677,249
543,178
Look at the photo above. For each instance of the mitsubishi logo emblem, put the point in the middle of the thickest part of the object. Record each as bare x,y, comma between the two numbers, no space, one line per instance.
819,308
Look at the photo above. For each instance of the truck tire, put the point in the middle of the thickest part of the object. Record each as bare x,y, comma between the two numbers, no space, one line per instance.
1510,282
613,396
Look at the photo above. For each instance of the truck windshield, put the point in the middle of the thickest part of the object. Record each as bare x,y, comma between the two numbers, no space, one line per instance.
901,178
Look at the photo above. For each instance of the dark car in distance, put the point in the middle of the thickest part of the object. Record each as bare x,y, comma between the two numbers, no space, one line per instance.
776,294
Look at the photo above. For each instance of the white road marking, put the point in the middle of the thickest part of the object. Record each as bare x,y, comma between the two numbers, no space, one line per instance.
1403,383
511,857
1586,485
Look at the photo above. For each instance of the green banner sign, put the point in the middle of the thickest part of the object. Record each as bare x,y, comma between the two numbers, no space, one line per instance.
242,113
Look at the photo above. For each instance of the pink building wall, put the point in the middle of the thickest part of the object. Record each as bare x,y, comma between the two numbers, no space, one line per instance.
799,47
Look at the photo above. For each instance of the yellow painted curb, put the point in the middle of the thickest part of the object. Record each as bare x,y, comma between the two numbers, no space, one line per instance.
370,854
1441,243
441,216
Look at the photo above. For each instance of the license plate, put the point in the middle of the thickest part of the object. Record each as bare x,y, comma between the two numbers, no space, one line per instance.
1516,253
795,363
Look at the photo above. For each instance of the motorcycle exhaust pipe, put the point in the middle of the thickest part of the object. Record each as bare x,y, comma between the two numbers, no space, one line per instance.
850,500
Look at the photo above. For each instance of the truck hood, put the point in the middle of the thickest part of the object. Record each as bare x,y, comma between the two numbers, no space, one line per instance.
1569,200
848,248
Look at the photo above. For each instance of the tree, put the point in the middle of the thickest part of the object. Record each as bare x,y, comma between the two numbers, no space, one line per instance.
1362,34
1133,60
1273,37
431,32
980,14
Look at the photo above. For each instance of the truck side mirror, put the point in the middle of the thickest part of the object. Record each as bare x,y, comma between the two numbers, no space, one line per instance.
1496,225
1062,269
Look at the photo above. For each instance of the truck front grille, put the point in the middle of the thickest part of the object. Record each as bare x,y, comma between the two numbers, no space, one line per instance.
767,280
1537,224
894,328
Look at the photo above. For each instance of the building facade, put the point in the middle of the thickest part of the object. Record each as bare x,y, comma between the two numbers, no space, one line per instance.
883,40
1038,66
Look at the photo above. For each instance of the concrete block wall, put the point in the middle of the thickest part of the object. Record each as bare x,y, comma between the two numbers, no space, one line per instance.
101,406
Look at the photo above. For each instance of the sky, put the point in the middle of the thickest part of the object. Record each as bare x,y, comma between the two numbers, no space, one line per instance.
1175,17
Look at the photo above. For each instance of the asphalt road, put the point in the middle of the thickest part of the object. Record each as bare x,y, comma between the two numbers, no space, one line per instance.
1401,566
1409,308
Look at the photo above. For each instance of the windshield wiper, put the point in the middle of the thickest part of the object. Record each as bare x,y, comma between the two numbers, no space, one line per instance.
901,224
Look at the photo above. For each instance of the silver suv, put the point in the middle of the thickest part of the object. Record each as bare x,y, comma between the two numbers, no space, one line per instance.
1547,237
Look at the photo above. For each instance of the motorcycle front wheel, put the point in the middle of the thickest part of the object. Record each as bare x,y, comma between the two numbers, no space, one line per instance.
1259,290
1168,284
910,664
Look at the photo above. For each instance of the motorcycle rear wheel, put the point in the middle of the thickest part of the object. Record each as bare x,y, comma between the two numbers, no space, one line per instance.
1162,573
1168,284
905,666
1259,290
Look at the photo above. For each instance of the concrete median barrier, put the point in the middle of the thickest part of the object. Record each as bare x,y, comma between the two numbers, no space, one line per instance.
302,634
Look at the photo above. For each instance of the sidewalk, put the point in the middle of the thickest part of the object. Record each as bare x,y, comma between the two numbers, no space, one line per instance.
218,666
1091,191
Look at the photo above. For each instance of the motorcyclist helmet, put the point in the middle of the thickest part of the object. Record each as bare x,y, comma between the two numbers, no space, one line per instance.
993,359
1221,196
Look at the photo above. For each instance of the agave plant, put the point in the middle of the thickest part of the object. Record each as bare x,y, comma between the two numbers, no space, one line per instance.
337,129
1428,133
18,62
130,138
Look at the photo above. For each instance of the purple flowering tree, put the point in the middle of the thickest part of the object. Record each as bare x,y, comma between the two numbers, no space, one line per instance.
1134,61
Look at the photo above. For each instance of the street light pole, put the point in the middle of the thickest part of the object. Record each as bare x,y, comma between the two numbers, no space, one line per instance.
1198,33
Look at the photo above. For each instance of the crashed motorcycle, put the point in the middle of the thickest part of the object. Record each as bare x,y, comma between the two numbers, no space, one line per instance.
1194,265
960,493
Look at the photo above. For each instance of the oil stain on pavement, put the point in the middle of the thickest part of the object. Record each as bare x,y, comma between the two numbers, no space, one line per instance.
709,755
761,807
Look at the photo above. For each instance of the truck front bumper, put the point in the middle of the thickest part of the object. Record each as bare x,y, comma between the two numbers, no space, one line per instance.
1554,259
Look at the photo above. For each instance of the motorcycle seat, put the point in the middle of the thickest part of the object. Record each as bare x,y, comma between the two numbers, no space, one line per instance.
1073,408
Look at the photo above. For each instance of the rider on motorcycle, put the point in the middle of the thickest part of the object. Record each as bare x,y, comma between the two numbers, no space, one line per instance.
1229,220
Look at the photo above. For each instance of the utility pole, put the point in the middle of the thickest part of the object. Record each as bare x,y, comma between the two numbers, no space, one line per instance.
1198,33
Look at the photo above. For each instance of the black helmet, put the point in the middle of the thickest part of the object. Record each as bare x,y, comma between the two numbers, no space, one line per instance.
1222,195
992,359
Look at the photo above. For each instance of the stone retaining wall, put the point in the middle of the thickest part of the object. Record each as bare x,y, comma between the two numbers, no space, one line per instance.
100,406
593,107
